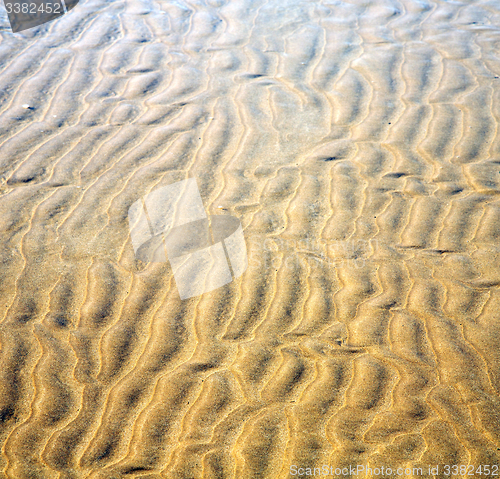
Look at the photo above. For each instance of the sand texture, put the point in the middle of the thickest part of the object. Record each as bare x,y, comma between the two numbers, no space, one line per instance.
358,144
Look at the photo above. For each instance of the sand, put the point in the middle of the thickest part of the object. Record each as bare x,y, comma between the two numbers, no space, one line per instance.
356,141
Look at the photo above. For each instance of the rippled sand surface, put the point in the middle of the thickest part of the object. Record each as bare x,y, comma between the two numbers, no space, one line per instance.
358,144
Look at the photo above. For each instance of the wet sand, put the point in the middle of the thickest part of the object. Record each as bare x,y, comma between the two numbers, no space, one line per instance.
358,144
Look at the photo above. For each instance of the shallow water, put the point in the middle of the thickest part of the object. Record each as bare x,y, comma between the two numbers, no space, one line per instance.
357,143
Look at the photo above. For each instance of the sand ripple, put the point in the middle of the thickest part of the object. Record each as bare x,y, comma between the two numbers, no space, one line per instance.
358,144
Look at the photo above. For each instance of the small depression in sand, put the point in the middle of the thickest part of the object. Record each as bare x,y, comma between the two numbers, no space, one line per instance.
357,143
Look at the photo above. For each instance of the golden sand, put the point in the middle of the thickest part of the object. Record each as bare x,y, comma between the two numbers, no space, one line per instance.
357,141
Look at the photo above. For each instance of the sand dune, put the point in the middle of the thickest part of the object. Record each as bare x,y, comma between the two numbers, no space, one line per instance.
358,144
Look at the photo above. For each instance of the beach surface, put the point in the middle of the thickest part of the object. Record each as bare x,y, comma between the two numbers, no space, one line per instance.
358,144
